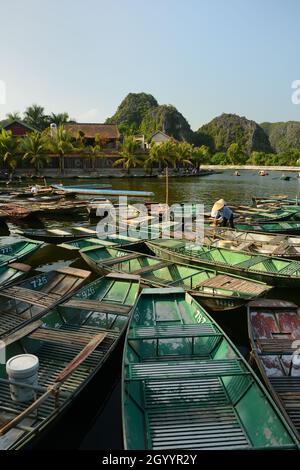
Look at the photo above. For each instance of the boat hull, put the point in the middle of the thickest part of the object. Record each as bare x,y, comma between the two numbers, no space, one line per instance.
264,277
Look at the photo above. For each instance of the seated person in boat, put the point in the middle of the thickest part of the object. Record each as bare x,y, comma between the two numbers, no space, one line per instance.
222,214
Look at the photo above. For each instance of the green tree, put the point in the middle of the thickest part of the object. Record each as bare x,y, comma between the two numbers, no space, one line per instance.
220,158
95,151
35,117
235,154
34,148
60,144
130,154
200,155
14,116
9,149
58,119
183,153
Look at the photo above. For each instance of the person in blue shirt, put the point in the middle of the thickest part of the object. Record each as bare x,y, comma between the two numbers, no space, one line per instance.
222,214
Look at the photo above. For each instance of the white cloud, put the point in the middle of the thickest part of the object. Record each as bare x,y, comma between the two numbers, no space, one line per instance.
91,115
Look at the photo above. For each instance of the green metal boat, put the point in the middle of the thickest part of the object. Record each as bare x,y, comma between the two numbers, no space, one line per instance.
273,271
18,250
114,239
72,342
186,386
285,246
218,291
27,300
292,228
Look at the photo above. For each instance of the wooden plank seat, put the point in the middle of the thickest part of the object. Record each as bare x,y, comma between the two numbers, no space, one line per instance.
33,297
276,346
282,248
174,331
291,268
177,369
63,337
222,281
120,259
153,267
278,239
245,246
96,305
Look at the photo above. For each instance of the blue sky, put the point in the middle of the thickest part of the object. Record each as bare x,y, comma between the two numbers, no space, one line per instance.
203,56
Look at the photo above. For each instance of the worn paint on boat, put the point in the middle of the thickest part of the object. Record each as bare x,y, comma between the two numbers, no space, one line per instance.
28,299
219,291
186,386
17,251
274,331
273,271
285,246
9,273
72,342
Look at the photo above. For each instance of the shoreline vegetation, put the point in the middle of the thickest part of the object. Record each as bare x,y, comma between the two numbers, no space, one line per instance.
48,151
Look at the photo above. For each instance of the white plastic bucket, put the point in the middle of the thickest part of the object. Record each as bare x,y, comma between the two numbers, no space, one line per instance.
23,368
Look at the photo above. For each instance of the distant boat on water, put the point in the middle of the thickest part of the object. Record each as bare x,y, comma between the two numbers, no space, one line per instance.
99,191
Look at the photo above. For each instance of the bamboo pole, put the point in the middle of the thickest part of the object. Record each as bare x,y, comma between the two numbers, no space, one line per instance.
167,185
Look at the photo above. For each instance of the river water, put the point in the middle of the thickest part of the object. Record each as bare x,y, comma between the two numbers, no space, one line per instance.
94,420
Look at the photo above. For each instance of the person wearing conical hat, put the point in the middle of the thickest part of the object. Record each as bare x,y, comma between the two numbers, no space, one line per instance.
222,214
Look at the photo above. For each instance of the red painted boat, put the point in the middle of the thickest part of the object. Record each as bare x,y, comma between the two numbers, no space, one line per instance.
274,331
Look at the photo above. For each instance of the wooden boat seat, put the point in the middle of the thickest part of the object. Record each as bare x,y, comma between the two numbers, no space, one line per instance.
63,336
177,369
246,246
39,298
175,331
153,267
222,281
282,248
291,268
276,346
278,239
120,259
96,305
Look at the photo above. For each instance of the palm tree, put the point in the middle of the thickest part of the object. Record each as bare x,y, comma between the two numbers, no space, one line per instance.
167,156
129,154
35,117
9,149
200,155
15,116
34,147
183,153
153,157
163,154
60,144
59,119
